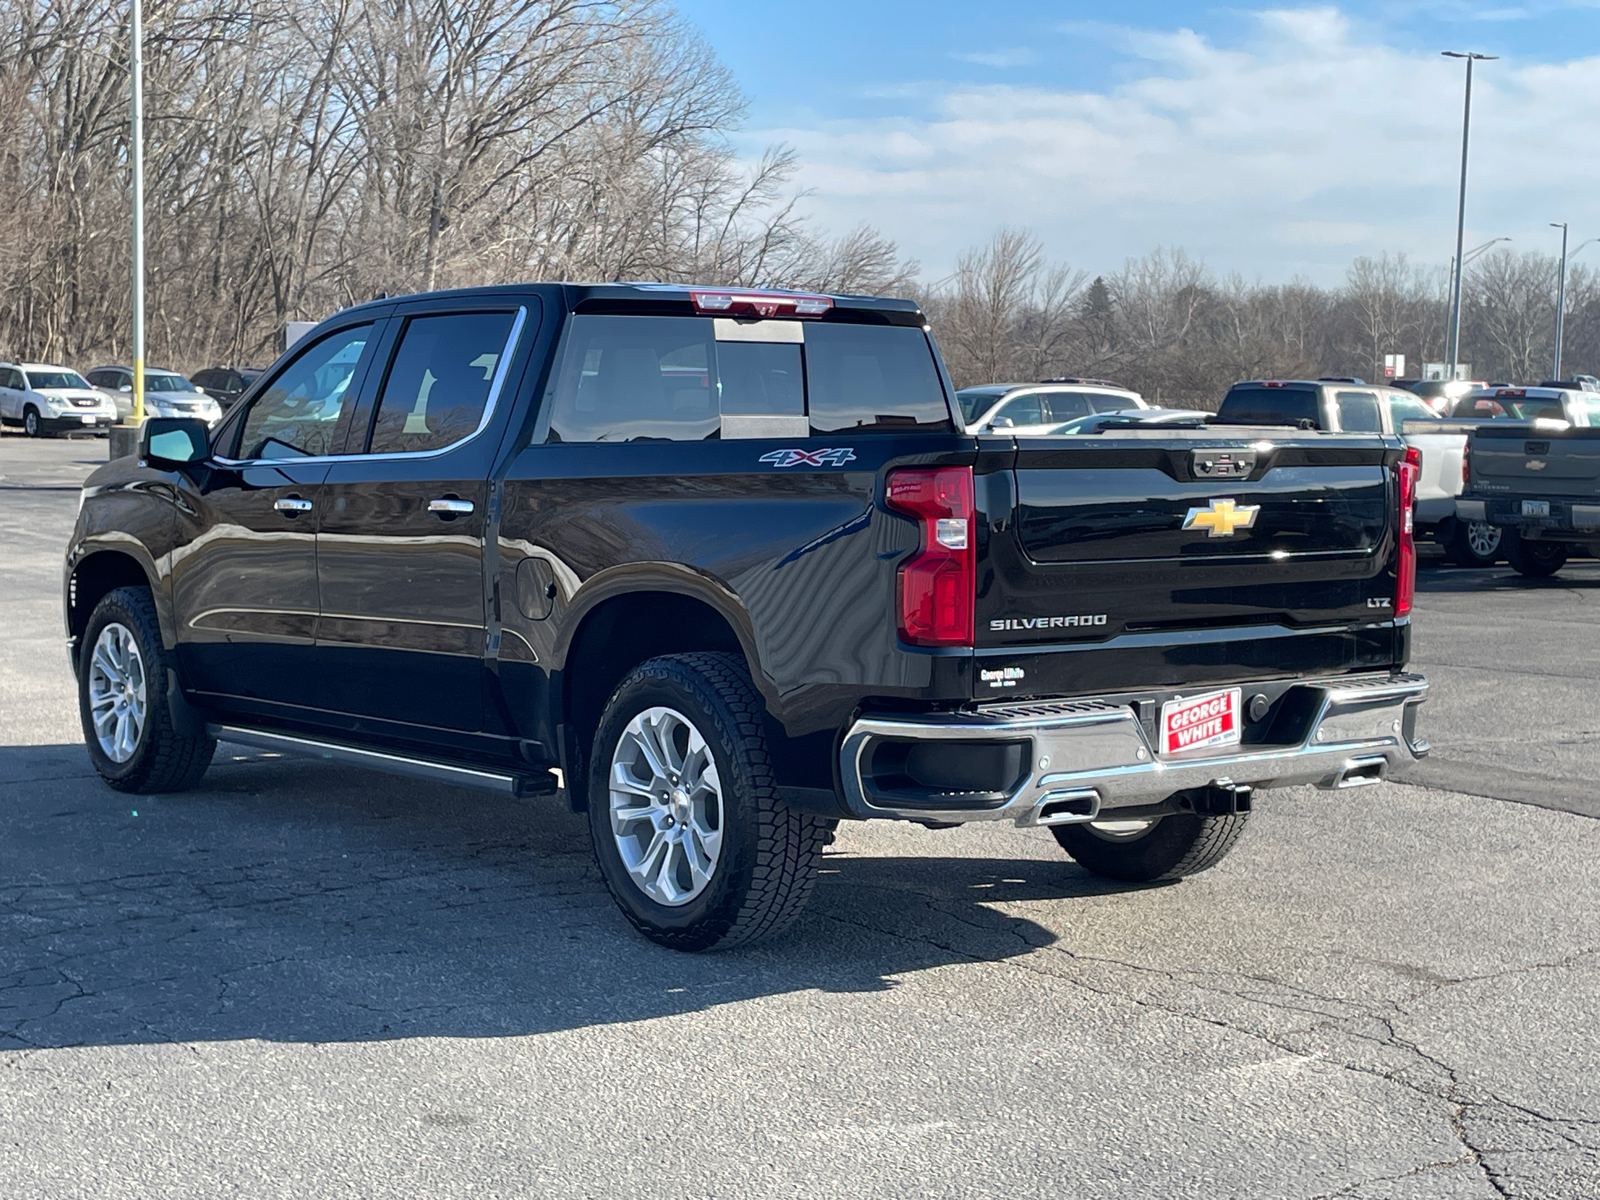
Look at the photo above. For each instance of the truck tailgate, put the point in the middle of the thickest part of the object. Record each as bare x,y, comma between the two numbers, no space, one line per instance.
1194,546
1524,458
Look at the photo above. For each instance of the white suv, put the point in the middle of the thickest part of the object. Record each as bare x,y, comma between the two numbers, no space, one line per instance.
45,399
1037,409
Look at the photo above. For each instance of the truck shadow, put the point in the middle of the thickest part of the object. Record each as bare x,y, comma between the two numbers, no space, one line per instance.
1580,574
297,901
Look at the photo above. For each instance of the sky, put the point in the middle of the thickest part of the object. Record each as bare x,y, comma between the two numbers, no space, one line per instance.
1276,141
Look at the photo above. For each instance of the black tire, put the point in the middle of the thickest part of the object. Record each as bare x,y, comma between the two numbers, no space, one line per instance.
30,422
163,758
1474,543
1173,847
1535,559
766,865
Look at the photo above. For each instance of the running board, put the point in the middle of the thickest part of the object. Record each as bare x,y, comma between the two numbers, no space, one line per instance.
502,783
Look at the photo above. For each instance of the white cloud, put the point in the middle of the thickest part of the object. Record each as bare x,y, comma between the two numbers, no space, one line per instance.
1001,59
1289,154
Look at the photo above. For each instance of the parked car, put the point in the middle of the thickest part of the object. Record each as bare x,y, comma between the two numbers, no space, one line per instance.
1538,481
1337,405
1133,418
226,384
166,394
1439,394
46,399
725,568
1576,407
1037,409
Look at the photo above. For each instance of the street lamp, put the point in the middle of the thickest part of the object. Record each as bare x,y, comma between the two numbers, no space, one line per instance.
1472,254
1561,288
1461,207
1561,295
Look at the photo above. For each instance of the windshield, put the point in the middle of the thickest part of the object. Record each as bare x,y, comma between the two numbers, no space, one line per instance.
975,402
39,380
166,381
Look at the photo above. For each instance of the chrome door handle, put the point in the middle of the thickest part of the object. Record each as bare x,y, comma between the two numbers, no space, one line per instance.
450,507
291,505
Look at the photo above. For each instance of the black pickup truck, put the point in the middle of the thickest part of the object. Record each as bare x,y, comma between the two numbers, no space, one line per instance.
726,568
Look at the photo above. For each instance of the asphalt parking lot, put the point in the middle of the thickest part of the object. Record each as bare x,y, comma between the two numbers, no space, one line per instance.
304,980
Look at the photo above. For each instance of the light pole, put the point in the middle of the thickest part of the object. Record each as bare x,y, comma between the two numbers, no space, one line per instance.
1561,295
1461,207
1561,287
136,161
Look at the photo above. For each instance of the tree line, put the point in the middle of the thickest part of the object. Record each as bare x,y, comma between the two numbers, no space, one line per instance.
1168,327
305,155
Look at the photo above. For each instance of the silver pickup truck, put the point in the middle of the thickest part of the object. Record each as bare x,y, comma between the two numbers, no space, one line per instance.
1539,482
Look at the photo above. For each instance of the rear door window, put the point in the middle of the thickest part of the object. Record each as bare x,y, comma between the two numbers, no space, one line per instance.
1358,412
1064,406
439,381
628,378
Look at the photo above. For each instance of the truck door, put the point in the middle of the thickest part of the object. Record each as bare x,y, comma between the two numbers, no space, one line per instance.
401,540
244,578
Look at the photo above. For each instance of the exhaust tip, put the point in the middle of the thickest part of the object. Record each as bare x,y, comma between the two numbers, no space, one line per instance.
1068,808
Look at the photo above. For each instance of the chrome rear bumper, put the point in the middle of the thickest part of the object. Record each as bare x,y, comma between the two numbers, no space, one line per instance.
1089,756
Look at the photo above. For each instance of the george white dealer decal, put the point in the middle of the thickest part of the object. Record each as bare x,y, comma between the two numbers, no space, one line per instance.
1083,622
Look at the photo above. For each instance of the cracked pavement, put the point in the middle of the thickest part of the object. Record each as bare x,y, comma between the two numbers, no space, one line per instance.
306,980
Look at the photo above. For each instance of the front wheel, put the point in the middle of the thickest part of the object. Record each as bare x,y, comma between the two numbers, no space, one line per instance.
1147,849
688,830
122,696
1535,559
30,423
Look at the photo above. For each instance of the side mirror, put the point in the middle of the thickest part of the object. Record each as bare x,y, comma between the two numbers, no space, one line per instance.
174,441
127,387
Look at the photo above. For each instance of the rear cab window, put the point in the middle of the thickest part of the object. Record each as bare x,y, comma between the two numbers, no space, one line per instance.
1358,412
626,378
1256,404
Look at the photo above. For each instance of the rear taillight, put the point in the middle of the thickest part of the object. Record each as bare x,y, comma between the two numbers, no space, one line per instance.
1406,472
1466,465
936,585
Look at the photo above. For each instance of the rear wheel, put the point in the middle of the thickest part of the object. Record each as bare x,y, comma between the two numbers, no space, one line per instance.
1474,544
1151,848
30,422
1536,559
688,830
122,696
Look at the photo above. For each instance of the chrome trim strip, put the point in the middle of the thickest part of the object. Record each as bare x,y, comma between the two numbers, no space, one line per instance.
1359,723
394,764
495,385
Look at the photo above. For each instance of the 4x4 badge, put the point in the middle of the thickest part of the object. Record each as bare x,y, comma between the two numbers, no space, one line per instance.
1222,517
836,457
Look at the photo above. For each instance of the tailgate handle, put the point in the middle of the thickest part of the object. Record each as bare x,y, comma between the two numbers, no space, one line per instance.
1223,464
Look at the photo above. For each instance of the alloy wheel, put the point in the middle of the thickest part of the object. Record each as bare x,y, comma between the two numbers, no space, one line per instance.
118,700
666,806
1483,539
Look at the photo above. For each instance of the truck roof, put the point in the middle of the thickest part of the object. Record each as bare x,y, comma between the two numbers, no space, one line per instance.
674,299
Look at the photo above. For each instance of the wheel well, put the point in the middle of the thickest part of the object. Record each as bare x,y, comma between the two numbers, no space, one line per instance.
93,578
623,632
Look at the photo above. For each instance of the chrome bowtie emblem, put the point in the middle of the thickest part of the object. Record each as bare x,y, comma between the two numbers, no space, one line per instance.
1222,517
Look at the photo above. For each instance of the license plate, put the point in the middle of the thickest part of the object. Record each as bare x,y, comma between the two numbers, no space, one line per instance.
1536,508
87,420
1209,720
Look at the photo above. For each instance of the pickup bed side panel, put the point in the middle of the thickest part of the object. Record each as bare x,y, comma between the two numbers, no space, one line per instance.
799,561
